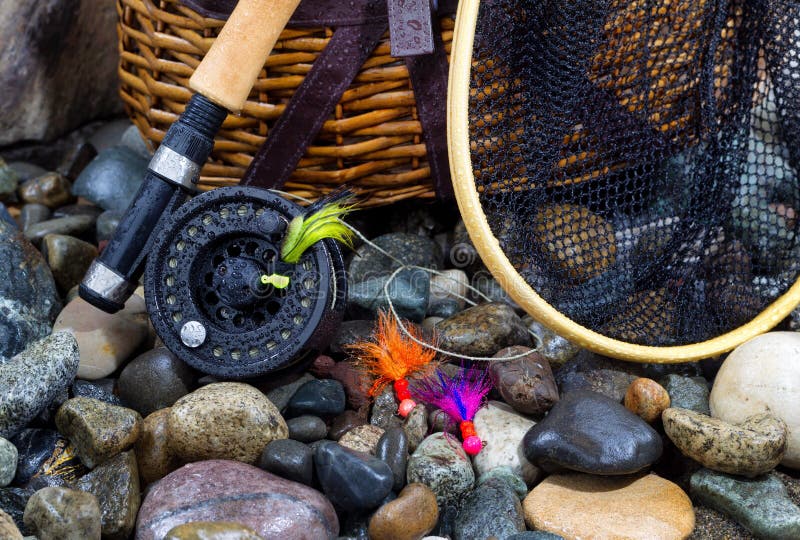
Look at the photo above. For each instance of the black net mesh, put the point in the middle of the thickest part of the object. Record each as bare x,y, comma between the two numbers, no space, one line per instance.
636,159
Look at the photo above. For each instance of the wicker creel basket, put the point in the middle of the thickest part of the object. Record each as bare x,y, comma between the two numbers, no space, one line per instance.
373,142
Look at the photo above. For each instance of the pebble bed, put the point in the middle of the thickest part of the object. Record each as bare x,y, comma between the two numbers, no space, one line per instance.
105,433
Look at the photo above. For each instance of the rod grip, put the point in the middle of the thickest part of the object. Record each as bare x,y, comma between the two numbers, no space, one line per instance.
230,68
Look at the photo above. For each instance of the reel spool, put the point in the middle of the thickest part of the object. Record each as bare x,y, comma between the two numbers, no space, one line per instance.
207,301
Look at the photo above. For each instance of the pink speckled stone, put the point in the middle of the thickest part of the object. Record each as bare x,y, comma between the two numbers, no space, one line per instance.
221,490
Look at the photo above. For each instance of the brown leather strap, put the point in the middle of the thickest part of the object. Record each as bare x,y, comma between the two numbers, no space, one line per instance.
429,78
312,103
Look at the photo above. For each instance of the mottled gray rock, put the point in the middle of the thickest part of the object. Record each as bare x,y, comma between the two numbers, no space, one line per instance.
408,292
482,330
384,410
33,378
115,483
28,298
762,505
112,178
440,463
411,249
416,426
687,392
58,513
491,510
508,476
8,462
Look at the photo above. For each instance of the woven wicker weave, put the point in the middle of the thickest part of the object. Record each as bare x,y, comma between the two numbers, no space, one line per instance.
373,141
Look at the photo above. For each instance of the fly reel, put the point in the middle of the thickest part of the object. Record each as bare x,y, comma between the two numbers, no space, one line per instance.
207,290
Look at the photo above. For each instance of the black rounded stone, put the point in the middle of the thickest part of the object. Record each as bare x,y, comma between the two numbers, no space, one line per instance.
307,428
322,397
589,432
393,449
351,480
155,380
290,459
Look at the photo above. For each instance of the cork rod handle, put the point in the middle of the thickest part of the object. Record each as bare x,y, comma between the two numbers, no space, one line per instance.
231,66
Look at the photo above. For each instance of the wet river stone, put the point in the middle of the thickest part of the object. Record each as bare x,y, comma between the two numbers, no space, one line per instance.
408,291
57,513
112,178
482,330
409,517
588,506
307,428
212,530
76,225
502,430
115,483
68,258
572,437
289,459
411,249
526,383
321,397
751,448
492,510
12,502
416,426
31,214
687,392
556,349
392,448
8,529
155,380
33,378
8,462
153,456
105,340
762,505
761,376
351,480
98,430
646,399
221,490
362,438
28,297
226,421
440,463
50,189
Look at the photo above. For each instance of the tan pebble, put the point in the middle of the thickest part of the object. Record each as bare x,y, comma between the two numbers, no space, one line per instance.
619,507
751,448
362,438
409,517
647,399
152,450
224,421
8,529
